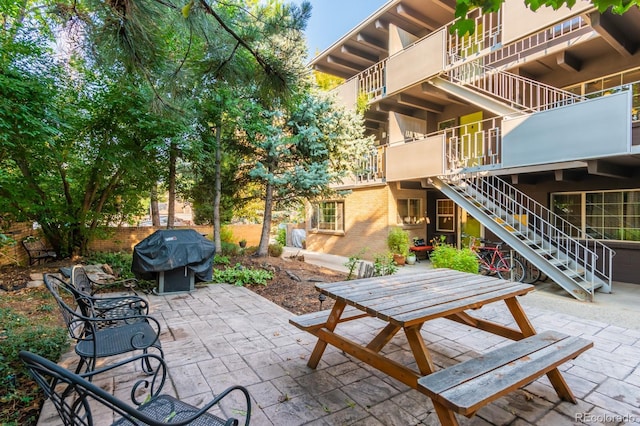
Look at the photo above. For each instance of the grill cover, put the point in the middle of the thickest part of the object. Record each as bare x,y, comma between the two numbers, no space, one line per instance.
168,249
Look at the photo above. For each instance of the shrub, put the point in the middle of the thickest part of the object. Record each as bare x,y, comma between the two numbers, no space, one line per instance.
221,260
120,262
251,250
383,264
281,237
226,234
241,276
446,256
398,241
229,248
275,250
22,333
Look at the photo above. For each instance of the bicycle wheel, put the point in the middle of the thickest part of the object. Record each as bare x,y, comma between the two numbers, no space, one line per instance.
532,273
484,263
506,272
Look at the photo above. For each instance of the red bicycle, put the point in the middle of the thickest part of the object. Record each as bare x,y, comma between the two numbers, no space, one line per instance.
491,260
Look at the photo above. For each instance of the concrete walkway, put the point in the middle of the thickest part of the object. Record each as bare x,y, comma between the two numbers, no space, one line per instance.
221,335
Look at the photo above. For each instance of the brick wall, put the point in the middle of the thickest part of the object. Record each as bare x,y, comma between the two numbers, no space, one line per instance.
366,221
116,239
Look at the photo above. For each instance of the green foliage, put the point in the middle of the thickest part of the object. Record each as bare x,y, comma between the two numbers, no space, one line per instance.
229,248
241,276
275,250
447,256
120,262
226,234
383,264
353,262
398,241
281,237
21,333
221,260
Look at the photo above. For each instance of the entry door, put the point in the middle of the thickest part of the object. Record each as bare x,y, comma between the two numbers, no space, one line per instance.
469,227
472,140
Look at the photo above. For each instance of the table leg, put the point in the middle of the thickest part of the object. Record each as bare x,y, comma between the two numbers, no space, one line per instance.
383,337
331,324
419,349
556,379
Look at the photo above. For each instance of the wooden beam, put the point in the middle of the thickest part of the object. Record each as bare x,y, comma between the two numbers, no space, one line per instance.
371,42
382,25
568,62
612,34
566,175
344,64
429,89
332,71
358,53
416,17
412,101
603,168
449,6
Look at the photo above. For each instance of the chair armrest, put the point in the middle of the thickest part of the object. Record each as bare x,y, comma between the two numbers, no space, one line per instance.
113,304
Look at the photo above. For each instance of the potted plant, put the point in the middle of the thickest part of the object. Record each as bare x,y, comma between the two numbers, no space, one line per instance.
411,258
398,243
242,243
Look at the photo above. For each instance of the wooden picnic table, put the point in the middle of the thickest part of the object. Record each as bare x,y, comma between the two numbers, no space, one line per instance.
406,302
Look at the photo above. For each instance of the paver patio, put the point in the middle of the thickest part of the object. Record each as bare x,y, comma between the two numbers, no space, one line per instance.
222,335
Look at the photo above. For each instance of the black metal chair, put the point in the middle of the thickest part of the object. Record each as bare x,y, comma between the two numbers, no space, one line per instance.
105,307
85,284
74,396
98,336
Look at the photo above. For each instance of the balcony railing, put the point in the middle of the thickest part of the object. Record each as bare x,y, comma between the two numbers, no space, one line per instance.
372,167
516,91
474,146
488,34
371,81
635,102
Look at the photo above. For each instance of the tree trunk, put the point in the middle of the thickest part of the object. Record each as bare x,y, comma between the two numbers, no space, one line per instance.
155,212
217,191
263,248
171,203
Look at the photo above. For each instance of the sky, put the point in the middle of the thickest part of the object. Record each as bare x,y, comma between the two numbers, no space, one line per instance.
331,19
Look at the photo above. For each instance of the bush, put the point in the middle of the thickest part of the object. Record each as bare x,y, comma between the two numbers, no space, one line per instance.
120,262
226,234
383,264
398,241
447,256
241,276
22,333
229,249
275,250
281,237
221,260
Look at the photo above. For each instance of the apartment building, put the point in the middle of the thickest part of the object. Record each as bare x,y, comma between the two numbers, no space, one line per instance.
527,131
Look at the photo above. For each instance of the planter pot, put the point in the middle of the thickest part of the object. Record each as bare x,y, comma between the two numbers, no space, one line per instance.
411,259
399,259
242,244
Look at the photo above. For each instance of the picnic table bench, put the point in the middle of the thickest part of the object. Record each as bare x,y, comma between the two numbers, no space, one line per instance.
466,387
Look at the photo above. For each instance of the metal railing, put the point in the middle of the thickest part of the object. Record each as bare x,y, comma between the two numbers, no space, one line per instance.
372,82
517,50
487,35
551,231
476,145
516,91
371,168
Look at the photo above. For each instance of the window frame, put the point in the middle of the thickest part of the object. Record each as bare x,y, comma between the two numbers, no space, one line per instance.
448,217
588,203
338,223
418,217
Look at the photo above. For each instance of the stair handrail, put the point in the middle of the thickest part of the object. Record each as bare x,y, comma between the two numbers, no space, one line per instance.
494,82
590,251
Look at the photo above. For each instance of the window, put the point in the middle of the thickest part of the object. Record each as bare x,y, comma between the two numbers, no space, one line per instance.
445,215
409,211
328,216
613,215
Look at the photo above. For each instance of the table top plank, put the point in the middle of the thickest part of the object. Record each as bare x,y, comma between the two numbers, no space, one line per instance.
411,299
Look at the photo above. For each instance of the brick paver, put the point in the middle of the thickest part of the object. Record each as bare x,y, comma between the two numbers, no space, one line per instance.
221,335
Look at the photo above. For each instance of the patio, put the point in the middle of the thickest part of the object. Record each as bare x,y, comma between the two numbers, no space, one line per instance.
222,335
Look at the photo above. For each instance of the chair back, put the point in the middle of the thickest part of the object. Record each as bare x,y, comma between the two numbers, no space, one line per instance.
74,320
80,280
72,394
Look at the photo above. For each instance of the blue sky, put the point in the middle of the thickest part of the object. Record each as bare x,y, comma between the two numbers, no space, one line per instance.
331,19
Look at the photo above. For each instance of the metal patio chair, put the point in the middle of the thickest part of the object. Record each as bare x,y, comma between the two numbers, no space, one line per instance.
85,284
74,396
99,337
